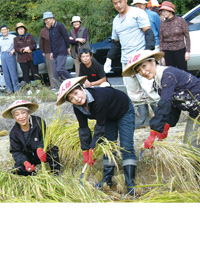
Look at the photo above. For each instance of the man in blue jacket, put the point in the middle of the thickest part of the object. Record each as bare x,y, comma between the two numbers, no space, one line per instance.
59,41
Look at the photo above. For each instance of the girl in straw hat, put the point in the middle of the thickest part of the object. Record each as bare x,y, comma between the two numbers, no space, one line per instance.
178,90
26,139
113,111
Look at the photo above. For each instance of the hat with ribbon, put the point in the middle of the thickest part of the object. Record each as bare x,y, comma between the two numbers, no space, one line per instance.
138,58
32,107
67,86
168,6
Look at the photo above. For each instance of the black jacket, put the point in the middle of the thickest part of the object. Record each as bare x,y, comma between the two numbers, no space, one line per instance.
109,105
18,148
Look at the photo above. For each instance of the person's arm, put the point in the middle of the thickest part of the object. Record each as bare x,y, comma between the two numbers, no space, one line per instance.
187,39
16,45
16,150
149,38
64,33
33,44
161,36
85,134
165,112
41,43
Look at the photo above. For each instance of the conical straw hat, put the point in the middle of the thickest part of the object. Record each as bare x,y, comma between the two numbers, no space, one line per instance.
67,86
138,58
19,103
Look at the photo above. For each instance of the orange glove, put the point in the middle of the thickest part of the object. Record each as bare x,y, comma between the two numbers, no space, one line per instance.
28,166
164,134
148,143
41,154
86,156
91,161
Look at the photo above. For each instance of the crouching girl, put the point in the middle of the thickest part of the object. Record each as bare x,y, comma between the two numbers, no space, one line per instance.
26,139
113,111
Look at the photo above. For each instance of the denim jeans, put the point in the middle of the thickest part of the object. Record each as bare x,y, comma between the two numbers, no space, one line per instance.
59,69
9,66
125,127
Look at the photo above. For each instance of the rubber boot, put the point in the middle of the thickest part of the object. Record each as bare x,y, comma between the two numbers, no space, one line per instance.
108,173
54,161
129,173
143,111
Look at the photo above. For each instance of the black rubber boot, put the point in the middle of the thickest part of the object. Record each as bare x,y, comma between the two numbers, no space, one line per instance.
143,111
129,173
53,160
108,173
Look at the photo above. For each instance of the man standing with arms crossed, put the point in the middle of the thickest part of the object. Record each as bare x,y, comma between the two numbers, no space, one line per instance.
59,40
131,29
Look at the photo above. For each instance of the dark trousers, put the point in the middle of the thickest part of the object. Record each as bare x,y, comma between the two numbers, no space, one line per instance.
176,59
52,159
25,70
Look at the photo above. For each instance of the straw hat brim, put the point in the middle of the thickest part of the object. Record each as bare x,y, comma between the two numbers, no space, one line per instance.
77,80
31,106
130,70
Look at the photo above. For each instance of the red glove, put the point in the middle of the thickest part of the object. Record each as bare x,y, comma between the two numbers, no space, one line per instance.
164,134
28,166
86,156
91,161
41,154
148,143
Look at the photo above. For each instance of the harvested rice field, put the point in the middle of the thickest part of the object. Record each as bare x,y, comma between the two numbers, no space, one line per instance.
167,173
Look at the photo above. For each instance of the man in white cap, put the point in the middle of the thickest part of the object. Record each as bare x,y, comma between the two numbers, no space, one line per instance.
59,40
131,29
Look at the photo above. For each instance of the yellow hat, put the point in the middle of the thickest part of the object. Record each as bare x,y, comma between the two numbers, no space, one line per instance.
20,24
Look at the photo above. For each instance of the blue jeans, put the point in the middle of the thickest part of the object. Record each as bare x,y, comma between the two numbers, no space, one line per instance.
60,72
9,66
125,126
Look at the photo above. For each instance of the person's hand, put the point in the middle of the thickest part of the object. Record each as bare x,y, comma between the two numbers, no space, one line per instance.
27,49
86,156
149,141
51,56
41,154
87,84
28,166
187,56
68,51
43,54
81,40
91,161
107,65
164,134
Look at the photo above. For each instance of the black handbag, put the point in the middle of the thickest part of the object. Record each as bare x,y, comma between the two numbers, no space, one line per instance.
38,57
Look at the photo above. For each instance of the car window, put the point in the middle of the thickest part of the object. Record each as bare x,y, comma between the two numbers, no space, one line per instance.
193,21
